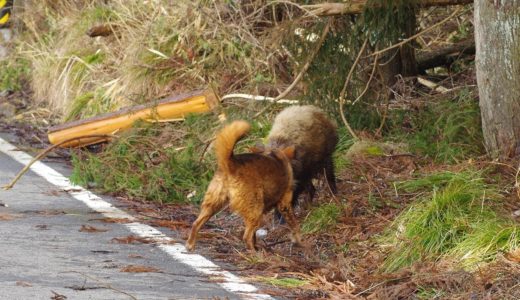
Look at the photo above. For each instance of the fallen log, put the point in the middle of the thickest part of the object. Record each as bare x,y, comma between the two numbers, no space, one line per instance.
357,6
110,123
444,56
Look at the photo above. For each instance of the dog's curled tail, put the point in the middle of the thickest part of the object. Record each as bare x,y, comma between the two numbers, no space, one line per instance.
226,140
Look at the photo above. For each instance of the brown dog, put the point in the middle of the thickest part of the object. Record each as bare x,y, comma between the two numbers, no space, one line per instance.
252,183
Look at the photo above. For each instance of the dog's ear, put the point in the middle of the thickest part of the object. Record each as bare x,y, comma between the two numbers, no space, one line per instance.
289,152
258,148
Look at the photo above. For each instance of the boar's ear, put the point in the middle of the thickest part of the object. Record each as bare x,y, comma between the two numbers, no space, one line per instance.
289,152
258,148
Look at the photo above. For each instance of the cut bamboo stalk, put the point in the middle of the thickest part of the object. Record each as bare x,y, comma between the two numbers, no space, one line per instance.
169,108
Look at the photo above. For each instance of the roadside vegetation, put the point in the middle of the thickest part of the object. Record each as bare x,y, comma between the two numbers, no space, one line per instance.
456,218
421,211
90,57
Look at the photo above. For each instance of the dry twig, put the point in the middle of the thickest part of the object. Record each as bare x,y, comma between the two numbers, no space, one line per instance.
413,37
357,7
46,151
369,80
106,285
303,70
344,90
517,184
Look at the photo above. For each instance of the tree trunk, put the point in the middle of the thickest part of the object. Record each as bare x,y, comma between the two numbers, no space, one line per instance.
401,61
497,36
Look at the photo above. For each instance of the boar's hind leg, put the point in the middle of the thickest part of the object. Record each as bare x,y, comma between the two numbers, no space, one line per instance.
329,174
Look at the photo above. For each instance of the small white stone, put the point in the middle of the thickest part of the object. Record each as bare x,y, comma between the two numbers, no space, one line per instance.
261,233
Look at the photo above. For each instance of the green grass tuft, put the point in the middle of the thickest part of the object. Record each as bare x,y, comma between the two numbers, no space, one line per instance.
286,282
13,74
456,221
374,151
448,131
321,218
154,162
345,142
436,180
89,104
489,238
429,293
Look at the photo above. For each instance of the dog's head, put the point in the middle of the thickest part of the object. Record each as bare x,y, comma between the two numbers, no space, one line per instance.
288,152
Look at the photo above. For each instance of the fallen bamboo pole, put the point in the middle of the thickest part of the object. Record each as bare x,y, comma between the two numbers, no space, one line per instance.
166,109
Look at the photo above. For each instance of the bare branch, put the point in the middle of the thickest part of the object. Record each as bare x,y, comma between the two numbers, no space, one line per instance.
344,91
357,6
49,149
413,37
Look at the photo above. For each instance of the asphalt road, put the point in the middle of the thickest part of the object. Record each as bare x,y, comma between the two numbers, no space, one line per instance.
45,254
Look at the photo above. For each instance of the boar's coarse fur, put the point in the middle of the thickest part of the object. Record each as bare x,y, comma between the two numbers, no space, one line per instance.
314,137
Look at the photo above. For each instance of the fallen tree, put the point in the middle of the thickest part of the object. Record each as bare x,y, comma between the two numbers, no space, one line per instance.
357,6
444,56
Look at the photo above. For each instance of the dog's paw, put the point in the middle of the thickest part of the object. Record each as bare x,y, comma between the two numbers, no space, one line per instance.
296,239
190,246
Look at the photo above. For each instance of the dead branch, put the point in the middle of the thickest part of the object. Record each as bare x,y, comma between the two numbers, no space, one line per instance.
258,98
49,149
207,143
432,85
444,56
369,80
308,63
344,90
517,183
303,70
357,6
413,37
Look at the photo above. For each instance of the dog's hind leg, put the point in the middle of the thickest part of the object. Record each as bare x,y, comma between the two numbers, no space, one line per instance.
214,201
205,214
252,224
249,203
286,209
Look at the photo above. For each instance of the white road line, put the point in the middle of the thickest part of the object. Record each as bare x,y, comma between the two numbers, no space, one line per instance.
177,251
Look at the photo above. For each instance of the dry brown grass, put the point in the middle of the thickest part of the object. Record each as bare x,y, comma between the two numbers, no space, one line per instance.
156,49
